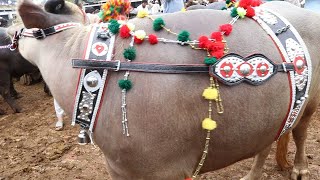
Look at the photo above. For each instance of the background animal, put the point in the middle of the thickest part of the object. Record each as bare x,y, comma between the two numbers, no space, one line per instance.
166,110
12,64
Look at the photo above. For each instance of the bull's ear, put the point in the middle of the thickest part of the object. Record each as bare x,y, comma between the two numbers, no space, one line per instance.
32,15
54,6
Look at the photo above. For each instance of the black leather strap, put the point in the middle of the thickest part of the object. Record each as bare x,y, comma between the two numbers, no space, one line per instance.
42,33
141,67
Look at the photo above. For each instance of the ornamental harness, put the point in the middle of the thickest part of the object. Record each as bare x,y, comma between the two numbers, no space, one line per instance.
231,69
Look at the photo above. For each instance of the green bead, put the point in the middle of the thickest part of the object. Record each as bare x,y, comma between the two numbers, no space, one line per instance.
158,24
125,84
210,60
224,8
184,36
129,53
228,1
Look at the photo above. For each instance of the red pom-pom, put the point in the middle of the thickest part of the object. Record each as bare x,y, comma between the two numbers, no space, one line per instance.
124,31
250,12
203,41
217,54
217,36
245,3
153,39
137,40
216,46
188,179
226,28
255,3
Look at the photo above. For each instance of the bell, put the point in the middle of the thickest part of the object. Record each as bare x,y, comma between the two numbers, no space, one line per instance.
83,137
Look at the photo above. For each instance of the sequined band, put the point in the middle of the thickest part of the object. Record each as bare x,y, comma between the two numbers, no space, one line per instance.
92,82
294,51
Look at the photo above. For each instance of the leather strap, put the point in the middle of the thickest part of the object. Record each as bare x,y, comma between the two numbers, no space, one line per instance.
42,33
141,67
155,67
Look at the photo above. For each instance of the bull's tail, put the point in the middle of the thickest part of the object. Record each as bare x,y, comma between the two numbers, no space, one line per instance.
282,150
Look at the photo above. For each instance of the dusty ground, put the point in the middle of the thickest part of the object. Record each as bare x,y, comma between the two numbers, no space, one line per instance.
30,148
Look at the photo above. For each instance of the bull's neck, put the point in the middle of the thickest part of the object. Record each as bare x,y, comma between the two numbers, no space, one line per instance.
57,70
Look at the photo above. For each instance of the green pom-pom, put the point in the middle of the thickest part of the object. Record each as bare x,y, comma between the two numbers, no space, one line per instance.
210,60
234,12
114,26
184,36
158,24
224,8
125,84
228,1
130,53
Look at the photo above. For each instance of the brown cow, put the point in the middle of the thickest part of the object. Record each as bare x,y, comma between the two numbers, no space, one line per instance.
166,110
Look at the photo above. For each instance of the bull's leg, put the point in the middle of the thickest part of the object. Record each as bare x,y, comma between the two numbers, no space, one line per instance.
300,169
5,91
13,92
257,167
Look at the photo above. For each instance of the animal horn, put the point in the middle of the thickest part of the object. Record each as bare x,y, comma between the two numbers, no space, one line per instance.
54,6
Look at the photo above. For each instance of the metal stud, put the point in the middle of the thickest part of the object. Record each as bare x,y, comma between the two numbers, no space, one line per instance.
299,64
92,81
263,69
227,69
245,69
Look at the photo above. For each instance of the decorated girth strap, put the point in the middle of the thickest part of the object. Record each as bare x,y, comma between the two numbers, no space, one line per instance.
91,82
293,50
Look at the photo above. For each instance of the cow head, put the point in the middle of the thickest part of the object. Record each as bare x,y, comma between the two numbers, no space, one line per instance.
54,12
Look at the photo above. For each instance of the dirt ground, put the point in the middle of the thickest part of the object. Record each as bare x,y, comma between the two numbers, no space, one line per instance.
30,148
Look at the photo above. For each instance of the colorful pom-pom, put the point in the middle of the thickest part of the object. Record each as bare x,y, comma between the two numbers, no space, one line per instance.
226,28
203,41
250,12
241,12
255,3
142,13
114,26
125,84
244,3
124,31
183,36
209,124
129,53
137,40
153,39
131,26
210,60
140,34
234,12
216,46
210,93
158,24
217,36
217,54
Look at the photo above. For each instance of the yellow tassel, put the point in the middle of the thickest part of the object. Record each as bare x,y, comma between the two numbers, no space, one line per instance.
183,10
209,124
210,93
241,12
142,13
